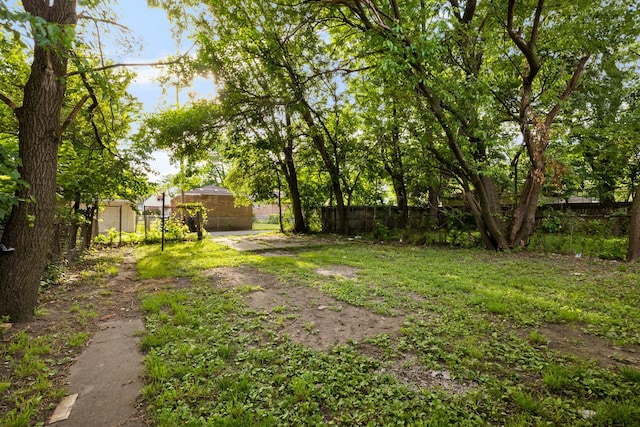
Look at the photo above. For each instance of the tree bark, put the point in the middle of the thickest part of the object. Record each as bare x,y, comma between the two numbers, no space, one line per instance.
291,175
434,207
30,226
72,233
299,225
395,168
634,228
334,173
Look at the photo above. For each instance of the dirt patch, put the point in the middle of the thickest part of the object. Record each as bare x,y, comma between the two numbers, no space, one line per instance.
410,371
338,271
568,340
278,253
165,283
270,242
306,315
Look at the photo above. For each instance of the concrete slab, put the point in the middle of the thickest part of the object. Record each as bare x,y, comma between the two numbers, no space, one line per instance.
106,378
238,232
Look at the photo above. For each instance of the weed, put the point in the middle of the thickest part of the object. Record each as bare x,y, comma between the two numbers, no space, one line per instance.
630,374
536,337
29,365
497,307
526,401
310,327
279,309
561,378
78,339
618,413
40,312
42,383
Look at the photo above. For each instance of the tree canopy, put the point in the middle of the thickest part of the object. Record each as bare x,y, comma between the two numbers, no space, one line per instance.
500,104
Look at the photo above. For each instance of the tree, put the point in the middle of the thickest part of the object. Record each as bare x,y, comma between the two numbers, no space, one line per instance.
30,225
94,164
602,133
13,74
188,133
54,45
476,65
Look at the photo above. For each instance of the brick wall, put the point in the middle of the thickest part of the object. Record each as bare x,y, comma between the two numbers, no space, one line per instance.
221,213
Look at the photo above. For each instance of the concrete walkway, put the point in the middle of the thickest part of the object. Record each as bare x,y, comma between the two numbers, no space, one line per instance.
106,378
238,232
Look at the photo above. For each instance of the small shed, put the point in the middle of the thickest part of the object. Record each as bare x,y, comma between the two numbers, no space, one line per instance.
118,214
222,214
154,204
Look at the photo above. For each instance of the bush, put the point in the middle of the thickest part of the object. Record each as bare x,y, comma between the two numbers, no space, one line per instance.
380,232
552,222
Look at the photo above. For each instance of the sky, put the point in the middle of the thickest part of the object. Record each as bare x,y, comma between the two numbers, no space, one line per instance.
151,27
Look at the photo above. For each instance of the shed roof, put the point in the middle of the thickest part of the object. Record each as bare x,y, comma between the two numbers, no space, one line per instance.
209,190
155,201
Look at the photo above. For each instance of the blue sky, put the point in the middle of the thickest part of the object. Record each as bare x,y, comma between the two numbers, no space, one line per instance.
151,27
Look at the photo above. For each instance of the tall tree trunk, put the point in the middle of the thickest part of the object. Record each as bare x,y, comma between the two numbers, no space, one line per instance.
485,205
524,215
434,207
634,228
88,229
401,200
72,233
394,166
334,172
299,225
30,225
291,175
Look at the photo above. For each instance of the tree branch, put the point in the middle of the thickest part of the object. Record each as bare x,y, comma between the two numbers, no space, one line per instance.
571,86
85,15
525,47
8,101
71,117
110,66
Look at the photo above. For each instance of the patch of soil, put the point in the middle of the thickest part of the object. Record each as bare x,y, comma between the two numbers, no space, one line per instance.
410,371
338,271
568,340
271,242
278,253
306,315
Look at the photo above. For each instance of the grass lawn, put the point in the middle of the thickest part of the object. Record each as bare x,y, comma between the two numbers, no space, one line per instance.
346,333
263,226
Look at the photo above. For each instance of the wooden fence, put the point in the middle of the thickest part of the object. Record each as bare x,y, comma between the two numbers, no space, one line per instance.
364,219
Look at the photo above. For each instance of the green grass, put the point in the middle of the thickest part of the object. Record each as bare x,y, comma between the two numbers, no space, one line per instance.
263,226
213,361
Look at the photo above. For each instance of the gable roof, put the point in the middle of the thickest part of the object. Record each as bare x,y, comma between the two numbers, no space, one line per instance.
155,201
209,190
